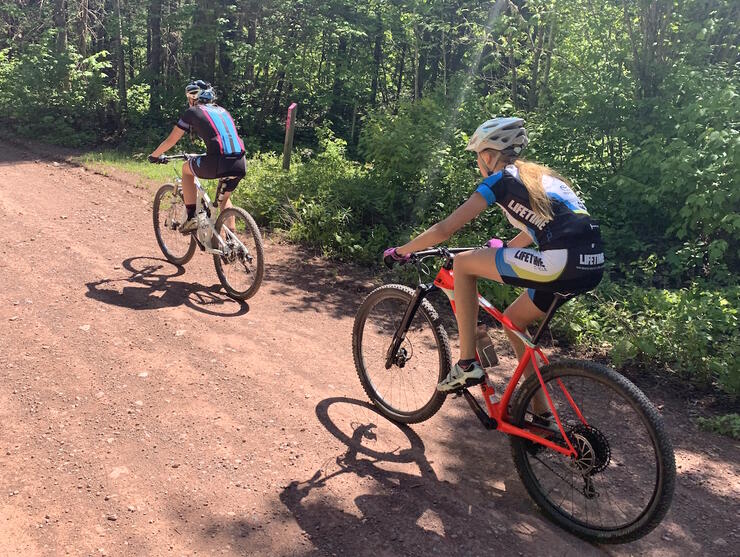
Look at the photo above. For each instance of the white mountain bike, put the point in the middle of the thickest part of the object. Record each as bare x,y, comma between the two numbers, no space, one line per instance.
233,238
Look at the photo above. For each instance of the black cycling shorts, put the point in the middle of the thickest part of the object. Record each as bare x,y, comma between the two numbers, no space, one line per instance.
220,166
544,273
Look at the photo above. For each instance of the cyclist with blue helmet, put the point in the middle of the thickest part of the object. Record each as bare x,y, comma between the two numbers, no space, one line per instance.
224,148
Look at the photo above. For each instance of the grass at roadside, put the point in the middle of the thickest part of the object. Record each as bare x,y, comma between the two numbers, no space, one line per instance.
109,162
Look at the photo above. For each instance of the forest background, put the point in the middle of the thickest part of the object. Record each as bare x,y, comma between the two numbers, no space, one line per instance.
635,100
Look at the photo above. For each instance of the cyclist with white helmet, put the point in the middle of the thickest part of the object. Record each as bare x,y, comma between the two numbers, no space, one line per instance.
224,148
569,258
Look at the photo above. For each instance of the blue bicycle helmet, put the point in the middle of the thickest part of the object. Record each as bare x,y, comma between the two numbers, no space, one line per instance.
200,91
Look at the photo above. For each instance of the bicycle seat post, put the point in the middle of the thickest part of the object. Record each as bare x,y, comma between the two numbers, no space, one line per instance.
219,193
548,317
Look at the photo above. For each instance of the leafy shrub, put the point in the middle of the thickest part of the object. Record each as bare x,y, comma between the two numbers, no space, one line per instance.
326,202
692,331
61,98
727,424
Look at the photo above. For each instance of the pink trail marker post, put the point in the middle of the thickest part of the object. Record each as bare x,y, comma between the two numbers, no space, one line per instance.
289,131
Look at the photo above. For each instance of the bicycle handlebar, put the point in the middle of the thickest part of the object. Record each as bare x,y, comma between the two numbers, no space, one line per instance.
182,156
447,253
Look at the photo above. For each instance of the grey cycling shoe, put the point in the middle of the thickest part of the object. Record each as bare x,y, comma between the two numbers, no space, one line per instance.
459,377
190,225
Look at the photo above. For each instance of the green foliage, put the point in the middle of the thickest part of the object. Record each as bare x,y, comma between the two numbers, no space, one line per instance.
727,424
326,201
636,102
677,197
61,98
692,332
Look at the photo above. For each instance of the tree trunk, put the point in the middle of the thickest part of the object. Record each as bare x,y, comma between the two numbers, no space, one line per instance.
204,44
548,56
225,61
121,78
444,63
131,39
648,49
60,23
399,79
337,103
251,41
416,62
377,58
82,28
532,100
155,55
512,65
354,121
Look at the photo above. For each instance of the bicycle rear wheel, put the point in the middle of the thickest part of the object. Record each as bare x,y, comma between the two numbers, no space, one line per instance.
169,213
242,267
407,391
621,484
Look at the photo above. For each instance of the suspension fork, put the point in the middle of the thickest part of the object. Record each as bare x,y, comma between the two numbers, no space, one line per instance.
421,292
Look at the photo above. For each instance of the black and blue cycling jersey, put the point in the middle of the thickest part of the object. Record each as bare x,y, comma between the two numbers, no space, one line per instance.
570,258
570,222
215,126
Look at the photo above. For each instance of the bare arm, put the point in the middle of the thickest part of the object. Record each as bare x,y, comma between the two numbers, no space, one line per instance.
172,139
521,240
442,231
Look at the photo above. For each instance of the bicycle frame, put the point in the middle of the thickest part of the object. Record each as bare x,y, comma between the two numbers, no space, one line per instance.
495,416
203,203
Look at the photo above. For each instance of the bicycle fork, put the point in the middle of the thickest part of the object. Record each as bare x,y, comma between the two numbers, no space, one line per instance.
421,292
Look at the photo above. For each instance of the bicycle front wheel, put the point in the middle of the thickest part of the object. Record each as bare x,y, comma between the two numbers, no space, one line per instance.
169,213
620,485
242,265
407,391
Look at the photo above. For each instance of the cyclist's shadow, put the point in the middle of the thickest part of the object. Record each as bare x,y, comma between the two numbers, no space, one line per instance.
151,286
405,514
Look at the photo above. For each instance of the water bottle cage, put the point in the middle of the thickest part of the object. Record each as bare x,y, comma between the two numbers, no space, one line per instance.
486,351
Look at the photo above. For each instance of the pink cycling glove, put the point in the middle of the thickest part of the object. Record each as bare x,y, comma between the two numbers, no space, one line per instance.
391,257
495,243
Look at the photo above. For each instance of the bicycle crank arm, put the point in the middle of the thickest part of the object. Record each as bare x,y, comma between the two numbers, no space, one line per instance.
486,420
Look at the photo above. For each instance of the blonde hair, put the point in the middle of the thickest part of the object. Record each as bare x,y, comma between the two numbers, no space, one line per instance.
531,175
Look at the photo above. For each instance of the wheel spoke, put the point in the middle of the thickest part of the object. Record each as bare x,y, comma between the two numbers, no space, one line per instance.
612,483
240,266
169,214
407,390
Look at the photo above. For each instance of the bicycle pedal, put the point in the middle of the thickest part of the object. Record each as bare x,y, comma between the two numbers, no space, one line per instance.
458,393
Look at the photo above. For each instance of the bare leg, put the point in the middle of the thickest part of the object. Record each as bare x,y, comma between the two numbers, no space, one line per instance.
522,312
225,204
188,184
467,268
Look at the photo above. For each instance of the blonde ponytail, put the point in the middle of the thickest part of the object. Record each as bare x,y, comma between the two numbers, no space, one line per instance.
531,174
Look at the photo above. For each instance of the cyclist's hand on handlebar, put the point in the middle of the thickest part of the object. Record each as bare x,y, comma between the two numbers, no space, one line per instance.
495,243
155,160
391,257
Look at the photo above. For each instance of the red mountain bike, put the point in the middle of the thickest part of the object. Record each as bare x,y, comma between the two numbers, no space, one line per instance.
599,463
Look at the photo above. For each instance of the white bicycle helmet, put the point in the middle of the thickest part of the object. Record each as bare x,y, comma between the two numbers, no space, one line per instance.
502,134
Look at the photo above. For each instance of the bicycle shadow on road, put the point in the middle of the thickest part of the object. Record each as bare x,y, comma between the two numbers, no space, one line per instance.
151,286
404,508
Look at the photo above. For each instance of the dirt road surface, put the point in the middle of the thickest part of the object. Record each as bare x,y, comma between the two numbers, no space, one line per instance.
144,412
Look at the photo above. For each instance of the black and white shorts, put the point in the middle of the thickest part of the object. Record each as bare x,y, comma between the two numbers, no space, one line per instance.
543,273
